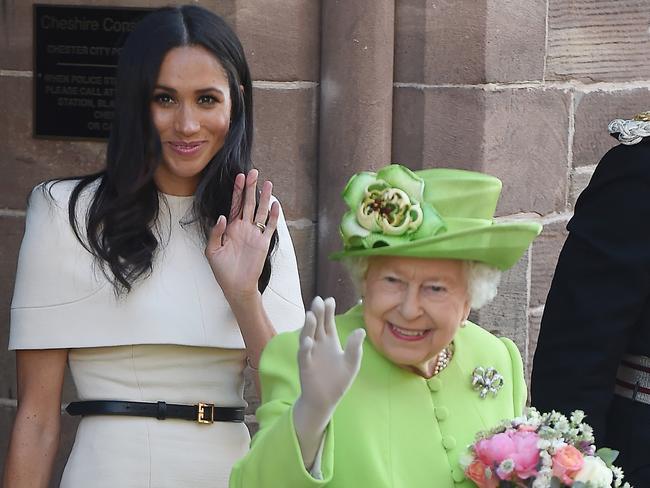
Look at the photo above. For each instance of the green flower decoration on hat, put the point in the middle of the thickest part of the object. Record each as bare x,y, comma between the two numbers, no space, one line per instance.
435,213
387,208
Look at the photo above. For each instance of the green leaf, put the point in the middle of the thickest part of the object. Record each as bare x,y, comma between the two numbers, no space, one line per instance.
431,225
353,192
579,484
403,178
555,483
607,455
350,228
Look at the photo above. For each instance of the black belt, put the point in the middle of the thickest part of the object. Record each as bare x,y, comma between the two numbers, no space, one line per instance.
203,413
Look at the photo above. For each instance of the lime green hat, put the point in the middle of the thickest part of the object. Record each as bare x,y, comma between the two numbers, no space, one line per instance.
431,213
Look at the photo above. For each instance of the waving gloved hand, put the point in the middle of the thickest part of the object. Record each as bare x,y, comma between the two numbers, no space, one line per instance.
326,372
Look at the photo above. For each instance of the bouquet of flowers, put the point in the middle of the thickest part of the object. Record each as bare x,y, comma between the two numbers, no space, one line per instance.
541,450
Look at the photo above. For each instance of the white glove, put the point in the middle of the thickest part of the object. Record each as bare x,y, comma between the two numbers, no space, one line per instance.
326,372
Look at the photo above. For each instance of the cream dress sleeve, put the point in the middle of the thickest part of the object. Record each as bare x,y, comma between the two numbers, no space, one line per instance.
63,300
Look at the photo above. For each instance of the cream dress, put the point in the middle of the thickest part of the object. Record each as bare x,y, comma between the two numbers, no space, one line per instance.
173,339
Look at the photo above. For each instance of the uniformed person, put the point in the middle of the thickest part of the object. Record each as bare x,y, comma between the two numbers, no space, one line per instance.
593,351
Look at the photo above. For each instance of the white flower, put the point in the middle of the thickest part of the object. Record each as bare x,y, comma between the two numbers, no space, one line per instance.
595,471
465,460
506,467
543,479
557,444
577,417
618,476
547,460
562,425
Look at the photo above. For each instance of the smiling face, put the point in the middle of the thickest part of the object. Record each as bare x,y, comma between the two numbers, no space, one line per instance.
413,308
190,109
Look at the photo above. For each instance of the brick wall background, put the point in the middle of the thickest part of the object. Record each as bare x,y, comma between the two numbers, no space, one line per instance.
522,89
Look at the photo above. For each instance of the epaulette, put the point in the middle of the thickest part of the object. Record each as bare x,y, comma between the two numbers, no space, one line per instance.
631,131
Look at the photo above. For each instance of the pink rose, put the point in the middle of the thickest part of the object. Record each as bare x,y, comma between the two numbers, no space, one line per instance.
525,454
567,461
476,472
495,449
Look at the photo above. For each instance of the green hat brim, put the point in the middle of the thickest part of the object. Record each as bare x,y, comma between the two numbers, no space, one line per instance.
498,244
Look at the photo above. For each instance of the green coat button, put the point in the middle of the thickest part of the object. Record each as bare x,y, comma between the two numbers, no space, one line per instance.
434,384
448,442
442,413
458,475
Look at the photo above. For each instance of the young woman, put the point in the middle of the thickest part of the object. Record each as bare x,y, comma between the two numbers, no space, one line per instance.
156,279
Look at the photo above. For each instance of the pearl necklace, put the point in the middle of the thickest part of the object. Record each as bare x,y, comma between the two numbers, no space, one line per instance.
442,361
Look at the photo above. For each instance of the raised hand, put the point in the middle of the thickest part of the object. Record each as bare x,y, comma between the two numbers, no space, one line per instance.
238,245
326,372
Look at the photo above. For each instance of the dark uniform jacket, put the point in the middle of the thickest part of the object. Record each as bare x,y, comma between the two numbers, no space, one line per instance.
598,309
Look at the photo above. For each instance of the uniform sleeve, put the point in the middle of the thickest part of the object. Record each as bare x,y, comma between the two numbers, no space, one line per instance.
519,390
282,298
599,292
54,271
274,459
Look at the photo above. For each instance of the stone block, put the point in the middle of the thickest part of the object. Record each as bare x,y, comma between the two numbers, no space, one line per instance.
69,392
7,414
440,42
598,41
252,424
546,250
534,322
356,109
303,235
515,40
251,395
408,126
281,38
285,147
26,161
438,127
593,112
341,287
11,228
8,370
452,41
507,314
525,137
579,181
514,134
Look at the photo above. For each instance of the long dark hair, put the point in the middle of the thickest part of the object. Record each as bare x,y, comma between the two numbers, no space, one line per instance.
125,203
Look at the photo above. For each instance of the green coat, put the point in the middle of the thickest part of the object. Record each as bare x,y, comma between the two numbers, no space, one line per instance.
392,428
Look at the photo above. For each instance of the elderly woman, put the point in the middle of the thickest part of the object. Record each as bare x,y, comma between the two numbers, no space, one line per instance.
399,409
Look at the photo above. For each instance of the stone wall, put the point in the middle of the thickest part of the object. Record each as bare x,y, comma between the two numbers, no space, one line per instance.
522,89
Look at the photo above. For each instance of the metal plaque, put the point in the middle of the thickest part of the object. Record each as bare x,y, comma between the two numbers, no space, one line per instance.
75,60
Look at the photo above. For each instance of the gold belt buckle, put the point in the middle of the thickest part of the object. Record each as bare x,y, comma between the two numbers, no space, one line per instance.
205,413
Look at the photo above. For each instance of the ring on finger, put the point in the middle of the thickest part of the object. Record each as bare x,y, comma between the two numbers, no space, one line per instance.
260,226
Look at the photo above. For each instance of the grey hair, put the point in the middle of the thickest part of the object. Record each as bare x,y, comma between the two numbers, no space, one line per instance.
482,283
482,279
